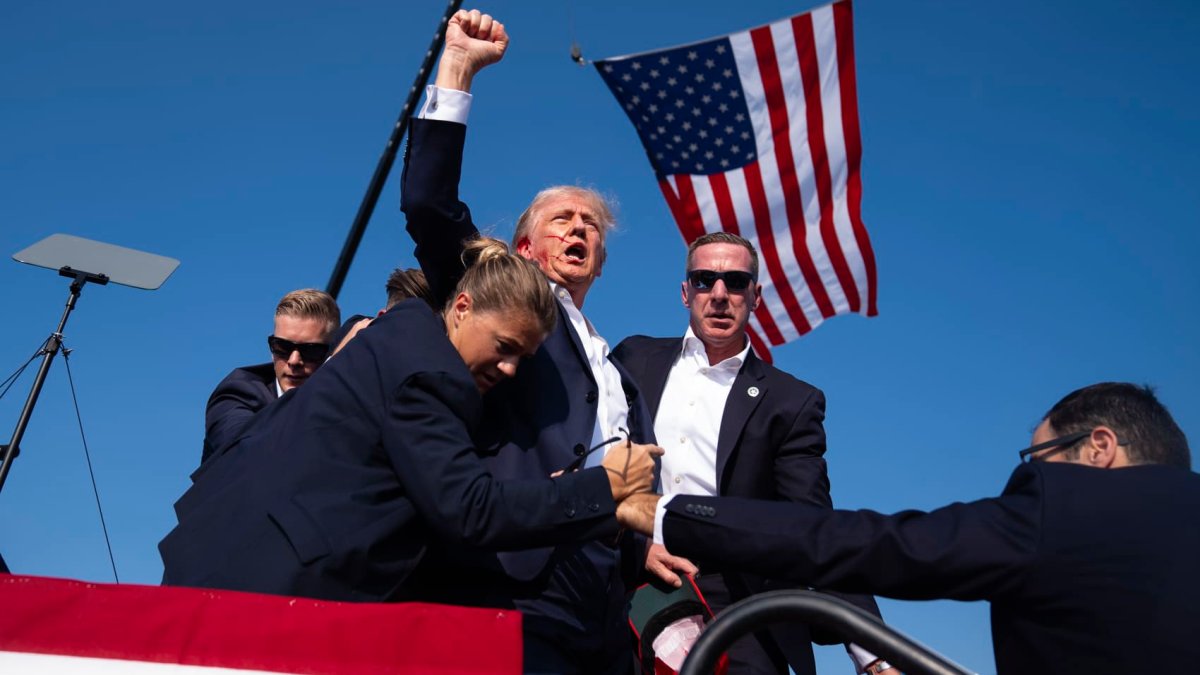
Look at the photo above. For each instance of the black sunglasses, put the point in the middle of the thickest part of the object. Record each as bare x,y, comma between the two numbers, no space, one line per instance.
1062,443
310,352
735,280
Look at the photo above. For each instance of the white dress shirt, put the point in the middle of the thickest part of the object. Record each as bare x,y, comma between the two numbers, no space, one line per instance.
689,418
612,411
688,426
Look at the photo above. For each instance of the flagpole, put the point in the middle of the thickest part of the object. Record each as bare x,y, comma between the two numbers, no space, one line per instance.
384,167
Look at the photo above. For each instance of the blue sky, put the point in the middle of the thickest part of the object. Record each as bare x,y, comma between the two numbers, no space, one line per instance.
1029,186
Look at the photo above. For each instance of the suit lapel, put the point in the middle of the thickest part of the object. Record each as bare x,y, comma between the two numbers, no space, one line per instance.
572,337
749,389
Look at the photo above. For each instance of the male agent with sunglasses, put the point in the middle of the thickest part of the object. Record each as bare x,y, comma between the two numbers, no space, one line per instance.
1088,557
304,321
734,426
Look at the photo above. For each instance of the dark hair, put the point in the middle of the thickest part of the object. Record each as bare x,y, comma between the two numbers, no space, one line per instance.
404,284
723,238
1134,413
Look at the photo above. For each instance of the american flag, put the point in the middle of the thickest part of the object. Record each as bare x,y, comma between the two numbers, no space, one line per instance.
756,133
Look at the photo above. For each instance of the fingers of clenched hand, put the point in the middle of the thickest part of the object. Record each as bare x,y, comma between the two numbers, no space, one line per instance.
475,24
631,467
468,20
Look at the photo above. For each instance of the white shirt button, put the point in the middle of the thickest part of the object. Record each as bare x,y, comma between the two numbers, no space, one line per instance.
678,479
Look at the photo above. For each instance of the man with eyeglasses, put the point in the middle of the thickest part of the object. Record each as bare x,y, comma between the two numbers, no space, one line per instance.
1088,556
734,426
304,321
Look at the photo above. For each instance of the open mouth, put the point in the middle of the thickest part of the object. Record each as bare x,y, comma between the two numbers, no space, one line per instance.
575,253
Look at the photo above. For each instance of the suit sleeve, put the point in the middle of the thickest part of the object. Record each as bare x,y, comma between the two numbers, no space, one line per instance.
801,476
973,551
437,221
800,473
431,451
229,409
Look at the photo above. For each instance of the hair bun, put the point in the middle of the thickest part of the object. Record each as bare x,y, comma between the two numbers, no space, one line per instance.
482,249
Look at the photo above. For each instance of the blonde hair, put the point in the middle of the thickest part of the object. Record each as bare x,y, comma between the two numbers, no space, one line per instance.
599,203
500,281
310,303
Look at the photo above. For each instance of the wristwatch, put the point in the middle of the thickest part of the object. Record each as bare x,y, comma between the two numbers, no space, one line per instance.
877,667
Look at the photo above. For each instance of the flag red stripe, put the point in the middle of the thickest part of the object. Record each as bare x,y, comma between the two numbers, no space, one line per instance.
844,29
720,190
768,69
760,348
806,51
770,253
251,631
684,208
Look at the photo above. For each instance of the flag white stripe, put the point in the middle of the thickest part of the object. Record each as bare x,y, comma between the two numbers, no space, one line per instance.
793,89
710,218
835,144
747,63
25,663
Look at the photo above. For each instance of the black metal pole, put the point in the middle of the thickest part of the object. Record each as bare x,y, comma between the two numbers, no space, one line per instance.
50,350
384,167
813,608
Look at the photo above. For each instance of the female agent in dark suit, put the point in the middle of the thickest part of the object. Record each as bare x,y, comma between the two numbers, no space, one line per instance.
336,490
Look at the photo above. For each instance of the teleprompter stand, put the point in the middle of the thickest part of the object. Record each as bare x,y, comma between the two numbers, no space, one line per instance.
73,257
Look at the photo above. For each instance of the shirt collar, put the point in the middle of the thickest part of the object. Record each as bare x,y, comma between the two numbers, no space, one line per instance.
564,298
693,348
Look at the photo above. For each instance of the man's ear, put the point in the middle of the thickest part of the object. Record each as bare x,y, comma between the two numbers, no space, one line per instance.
1103,450
683,290
525,249
757,297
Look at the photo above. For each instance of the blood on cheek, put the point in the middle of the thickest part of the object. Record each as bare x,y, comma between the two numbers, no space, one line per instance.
558,256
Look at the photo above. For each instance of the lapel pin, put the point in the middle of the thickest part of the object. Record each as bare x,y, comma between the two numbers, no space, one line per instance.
753,391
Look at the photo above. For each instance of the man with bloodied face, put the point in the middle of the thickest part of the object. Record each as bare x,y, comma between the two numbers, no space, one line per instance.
562,410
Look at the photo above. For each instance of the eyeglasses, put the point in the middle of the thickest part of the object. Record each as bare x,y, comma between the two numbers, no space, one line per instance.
310,352
735,280
578,462
1062,443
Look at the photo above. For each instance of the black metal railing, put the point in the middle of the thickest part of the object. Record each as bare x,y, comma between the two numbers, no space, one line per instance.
817,609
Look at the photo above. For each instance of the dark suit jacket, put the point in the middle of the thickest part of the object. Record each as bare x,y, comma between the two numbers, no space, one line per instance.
539,421
1088,570
336,490
770,446
236,399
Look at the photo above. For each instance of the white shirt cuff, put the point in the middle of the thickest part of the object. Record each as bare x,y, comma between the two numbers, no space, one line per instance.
659,512
861,657
447,105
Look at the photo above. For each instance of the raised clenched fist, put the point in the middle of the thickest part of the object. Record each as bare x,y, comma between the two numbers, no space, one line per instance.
473,41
